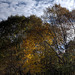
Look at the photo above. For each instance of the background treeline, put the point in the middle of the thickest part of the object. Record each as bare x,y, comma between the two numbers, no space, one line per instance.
34,46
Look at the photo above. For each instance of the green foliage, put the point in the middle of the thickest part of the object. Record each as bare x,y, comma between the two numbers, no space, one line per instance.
28,46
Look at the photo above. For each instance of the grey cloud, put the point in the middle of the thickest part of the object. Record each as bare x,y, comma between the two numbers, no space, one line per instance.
28,7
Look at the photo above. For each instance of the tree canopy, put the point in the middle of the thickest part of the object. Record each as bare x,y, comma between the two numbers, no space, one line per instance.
29,46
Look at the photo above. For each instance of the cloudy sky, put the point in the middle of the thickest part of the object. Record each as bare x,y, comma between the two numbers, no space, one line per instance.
29,7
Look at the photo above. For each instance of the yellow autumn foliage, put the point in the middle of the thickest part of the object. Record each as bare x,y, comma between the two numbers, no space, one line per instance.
34,48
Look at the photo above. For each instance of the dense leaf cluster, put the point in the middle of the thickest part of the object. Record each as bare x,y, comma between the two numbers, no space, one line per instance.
29,46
